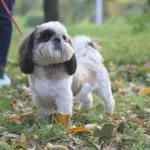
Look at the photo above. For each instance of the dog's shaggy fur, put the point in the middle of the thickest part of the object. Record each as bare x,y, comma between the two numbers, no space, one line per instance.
49,59
60,72
91,75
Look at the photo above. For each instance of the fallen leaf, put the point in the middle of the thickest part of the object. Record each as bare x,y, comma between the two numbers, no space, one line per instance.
16,118
50,146
63,119
145,91
22,143
105,132
23,140
19,118
119,82
137,120
78,130
90,126
147,110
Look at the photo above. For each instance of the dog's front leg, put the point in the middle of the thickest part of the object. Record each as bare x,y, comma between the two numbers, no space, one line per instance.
64,105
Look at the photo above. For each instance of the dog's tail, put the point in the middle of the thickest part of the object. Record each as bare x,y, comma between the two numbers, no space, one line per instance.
87,51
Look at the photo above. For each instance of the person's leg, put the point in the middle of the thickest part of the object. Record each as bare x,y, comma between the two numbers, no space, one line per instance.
5,37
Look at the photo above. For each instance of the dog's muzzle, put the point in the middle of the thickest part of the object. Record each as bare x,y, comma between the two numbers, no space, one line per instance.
57,43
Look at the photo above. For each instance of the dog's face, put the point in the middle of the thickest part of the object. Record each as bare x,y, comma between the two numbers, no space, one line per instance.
48,44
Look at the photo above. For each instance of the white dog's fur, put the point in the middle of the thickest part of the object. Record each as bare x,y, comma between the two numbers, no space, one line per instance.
91,75
48,57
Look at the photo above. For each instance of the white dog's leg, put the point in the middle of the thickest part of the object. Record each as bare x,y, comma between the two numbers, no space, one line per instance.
86,89
87,101
64,104
107,97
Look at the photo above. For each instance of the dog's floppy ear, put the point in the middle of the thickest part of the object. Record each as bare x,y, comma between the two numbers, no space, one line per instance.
71,65
26,53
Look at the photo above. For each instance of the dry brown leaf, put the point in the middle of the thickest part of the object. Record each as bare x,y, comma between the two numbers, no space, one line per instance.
63,119
145,91
16,118
78,130
137,120
23,140
119,82
19,118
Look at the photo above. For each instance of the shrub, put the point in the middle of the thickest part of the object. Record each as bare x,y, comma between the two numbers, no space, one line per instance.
139,22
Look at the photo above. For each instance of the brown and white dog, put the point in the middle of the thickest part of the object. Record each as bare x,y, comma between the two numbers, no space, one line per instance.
91,75
60,72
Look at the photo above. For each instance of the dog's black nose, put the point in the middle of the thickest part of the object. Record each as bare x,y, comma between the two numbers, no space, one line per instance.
56,40
57,43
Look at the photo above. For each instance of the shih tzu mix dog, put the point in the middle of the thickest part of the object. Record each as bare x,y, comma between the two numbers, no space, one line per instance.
46,54
60,73
91,75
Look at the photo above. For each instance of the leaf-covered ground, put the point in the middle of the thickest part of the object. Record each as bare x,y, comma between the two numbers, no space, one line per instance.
127,58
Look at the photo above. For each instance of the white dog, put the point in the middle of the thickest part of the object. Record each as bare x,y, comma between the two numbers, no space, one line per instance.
49,59
56,76
91,75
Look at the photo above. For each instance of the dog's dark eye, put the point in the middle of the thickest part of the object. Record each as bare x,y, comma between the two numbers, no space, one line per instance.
46,35
91,45
65,38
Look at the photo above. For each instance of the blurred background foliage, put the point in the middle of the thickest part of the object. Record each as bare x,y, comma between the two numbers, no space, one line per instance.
136,12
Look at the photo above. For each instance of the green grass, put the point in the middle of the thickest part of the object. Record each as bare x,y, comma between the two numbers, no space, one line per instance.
4,104
121,46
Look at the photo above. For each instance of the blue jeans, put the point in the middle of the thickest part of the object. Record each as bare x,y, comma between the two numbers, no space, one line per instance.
5,32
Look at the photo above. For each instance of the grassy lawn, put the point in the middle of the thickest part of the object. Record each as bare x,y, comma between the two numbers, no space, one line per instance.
127,58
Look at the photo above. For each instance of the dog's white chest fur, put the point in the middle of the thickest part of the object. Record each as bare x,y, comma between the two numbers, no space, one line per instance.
50,93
